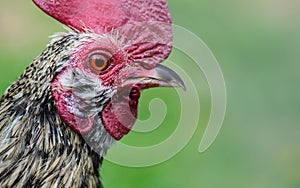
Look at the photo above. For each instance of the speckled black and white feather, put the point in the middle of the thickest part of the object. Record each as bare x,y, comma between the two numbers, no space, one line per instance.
37,149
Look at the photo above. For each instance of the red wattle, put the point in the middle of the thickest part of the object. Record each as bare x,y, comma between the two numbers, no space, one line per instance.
119,116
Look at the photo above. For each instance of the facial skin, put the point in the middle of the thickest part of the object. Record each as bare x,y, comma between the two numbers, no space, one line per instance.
102,83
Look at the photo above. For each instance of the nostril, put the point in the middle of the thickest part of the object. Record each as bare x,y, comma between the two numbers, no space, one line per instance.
147,66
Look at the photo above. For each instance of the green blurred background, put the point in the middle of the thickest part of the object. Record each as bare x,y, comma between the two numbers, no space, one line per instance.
257,44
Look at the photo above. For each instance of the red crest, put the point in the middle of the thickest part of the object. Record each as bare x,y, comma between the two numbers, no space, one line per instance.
144,25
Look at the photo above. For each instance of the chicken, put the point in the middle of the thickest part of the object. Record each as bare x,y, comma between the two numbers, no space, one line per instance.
80,95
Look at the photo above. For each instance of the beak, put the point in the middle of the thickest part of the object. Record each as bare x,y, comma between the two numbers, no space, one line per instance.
160,76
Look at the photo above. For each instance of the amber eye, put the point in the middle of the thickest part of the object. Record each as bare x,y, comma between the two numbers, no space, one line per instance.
99,62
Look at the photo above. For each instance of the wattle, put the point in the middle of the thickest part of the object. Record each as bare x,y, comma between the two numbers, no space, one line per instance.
119,115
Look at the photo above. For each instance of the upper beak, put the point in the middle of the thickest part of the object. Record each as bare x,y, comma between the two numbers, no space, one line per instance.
159,76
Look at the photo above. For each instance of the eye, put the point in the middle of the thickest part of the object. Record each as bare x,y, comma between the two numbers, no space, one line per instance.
99,62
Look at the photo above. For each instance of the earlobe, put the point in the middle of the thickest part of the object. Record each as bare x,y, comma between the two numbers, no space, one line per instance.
65,104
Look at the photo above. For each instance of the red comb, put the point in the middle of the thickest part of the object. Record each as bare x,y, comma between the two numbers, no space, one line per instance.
102,15
144,25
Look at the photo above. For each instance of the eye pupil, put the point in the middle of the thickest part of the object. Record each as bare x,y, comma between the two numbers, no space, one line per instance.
99,62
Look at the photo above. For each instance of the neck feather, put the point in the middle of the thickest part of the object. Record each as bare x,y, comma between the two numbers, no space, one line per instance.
36,147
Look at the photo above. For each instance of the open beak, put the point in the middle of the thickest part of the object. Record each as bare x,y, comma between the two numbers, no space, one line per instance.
160,76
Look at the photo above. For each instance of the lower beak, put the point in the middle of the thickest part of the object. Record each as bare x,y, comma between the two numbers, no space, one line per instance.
159,76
